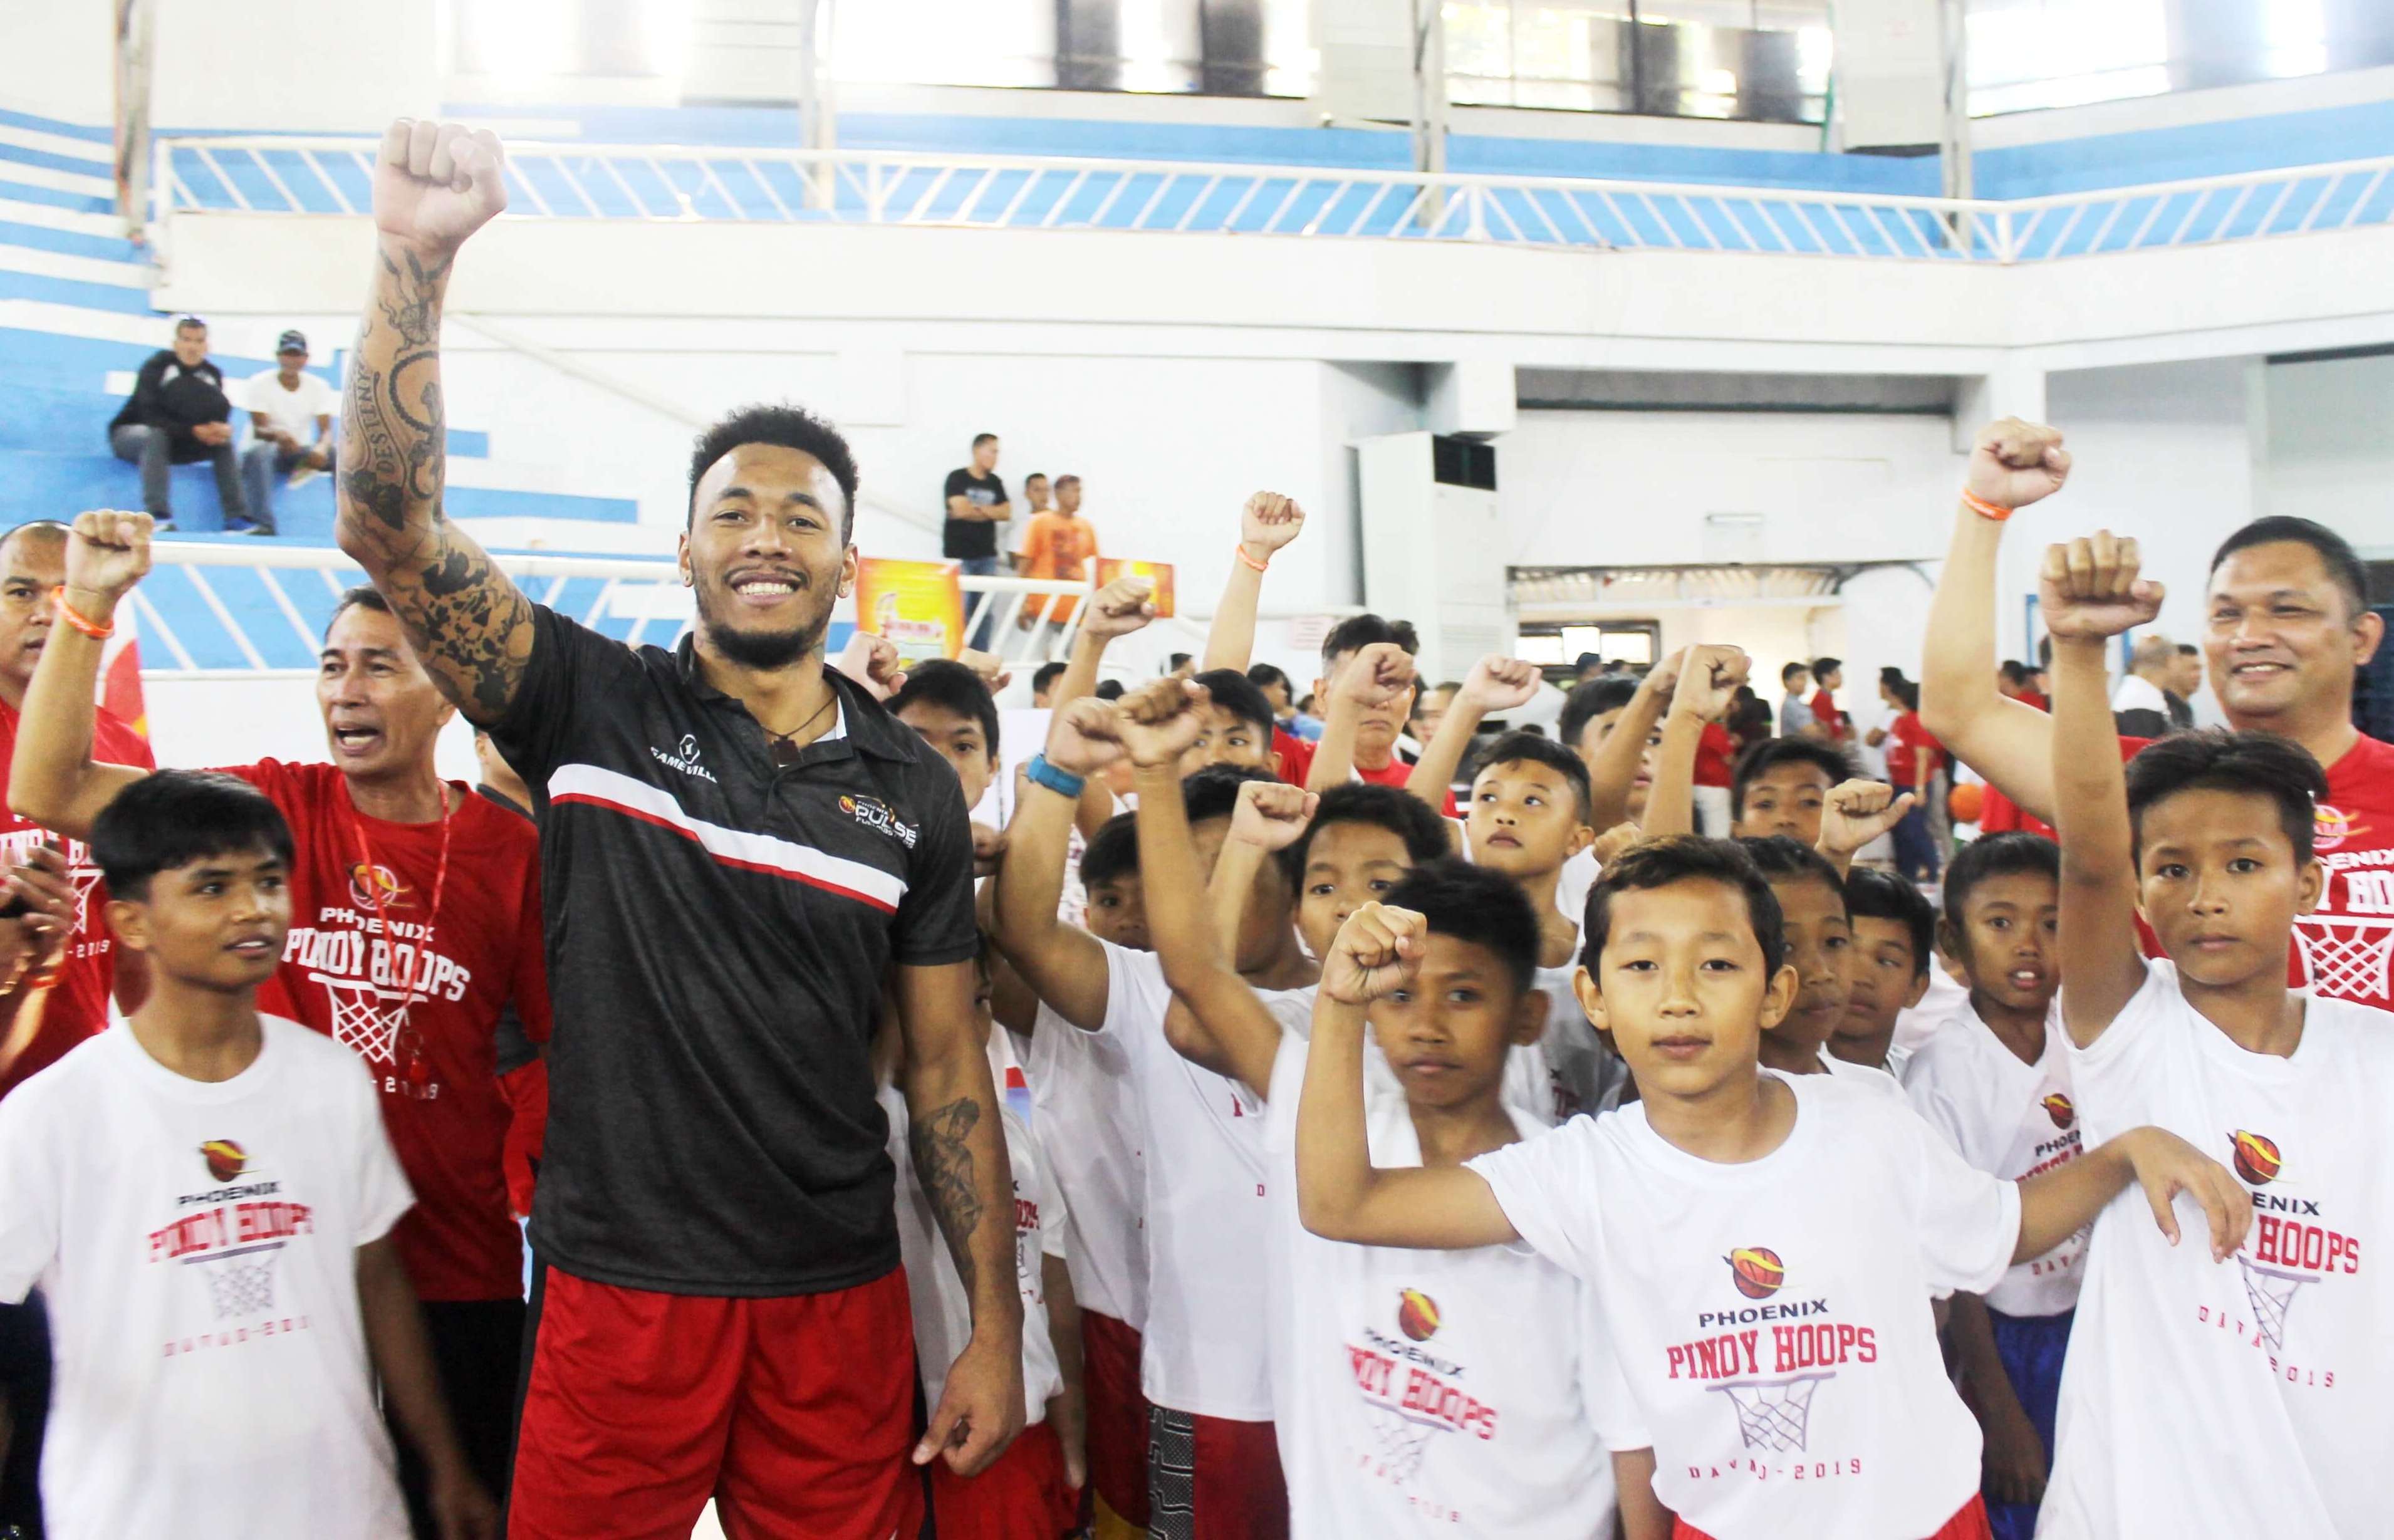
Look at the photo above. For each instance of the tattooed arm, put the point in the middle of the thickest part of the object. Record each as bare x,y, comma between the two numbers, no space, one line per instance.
959,1157
435,184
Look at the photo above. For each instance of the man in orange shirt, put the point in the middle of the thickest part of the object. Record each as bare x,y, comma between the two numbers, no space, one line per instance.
1059,544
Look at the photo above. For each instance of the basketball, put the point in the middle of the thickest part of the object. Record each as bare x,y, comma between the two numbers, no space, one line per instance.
1965,802
225,1158
1758,1271
1417,1315
2060,1110
2257,1160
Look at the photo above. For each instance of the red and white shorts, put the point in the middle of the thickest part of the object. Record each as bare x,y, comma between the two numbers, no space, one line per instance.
796,1414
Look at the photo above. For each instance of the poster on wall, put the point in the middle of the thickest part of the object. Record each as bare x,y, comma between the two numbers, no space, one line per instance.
1111,569
919,606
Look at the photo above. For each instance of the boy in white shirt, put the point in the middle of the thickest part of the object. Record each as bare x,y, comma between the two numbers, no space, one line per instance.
2249,1396
1438,1393
1996,1083
1763,1247
207,1196
1819,939
1212,1466
1895,936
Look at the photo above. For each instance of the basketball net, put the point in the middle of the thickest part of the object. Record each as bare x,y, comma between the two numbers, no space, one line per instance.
1775,1416
241,1285
1401,1443
2271,1293
2349,956
358,1020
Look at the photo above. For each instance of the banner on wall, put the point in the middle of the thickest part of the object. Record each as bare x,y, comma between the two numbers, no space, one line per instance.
1111,569
919,606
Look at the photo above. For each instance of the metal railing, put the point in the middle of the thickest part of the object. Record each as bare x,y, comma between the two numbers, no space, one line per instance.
299,175
243,610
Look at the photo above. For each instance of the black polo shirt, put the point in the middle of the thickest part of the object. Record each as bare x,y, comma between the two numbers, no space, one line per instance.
718,929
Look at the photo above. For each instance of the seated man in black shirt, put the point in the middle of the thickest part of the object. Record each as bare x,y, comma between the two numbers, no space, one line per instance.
178,413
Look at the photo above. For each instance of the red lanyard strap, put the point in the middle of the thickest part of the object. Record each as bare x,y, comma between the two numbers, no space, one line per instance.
373,892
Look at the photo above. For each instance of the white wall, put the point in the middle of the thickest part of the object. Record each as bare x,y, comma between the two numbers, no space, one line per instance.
194,724
303,64
2329,451
59,58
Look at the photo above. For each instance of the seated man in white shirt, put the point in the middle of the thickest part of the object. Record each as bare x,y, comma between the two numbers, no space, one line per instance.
290,426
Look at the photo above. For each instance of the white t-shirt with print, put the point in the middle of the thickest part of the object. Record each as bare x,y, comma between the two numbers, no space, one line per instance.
942,1309
1205,1349
1772,1319
1429,1392
292,410
1094,1141
2011,1120
2249,1397
197,1246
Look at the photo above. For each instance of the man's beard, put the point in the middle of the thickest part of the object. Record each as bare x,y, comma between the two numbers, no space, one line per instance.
763,650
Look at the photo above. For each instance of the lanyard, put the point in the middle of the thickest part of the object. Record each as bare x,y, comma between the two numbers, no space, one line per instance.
374,888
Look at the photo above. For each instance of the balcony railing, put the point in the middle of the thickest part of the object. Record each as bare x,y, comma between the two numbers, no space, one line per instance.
283,176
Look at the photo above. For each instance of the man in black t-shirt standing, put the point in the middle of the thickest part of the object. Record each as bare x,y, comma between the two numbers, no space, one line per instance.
977,505
745,860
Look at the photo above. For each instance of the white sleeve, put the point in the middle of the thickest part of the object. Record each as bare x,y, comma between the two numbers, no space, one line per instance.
1965,1222
382,1194
1546,1186
1924,1087
322,401
32,1183
1136,997
1613,1411
2112,1081
1055,1215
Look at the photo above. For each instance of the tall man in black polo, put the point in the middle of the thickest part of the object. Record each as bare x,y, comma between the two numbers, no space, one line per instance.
743,858
977,505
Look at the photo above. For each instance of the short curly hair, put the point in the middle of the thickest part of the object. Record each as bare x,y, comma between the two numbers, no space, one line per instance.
791,428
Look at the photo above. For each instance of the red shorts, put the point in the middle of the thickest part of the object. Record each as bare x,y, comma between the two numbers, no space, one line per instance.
796,1414
1118,1416
1022,1495
1212,1479
1970,1523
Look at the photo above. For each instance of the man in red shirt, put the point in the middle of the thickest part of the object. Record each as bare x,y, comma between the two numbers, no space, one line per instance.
1830,675
415,923
2287,626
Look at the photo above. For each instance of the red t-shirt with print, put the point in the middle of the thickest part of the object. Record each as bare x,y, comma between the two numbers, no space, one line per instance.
421,1010
76,1005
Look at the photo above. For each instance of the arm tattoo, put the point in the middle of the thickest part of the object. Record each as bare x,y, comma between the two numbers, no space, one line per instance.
944,1164
468,621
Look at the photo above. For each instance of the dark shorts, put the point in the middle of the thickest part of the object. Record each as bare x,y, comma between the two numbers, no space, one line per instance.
2031,1347
796,1414
1212,1479
478,1347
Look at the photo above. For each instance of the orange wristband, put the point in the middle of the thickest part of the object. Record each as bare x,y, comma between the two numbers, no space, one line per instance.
1984,508
88,627
1259,566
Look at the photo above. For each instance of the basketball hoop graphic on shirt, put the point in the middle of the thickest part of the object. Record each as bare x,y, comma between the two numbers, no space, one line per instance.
2347,955
1399,1443
240,1282
364,1019
2271,1293
1774,1414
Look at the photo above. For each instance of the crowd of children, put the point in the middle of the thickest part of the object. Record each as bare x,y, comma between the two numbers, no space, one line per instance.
1604,1151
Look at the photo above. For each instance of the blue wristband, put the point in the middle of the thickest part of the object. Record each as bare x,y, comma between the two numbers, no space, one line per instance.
1063,783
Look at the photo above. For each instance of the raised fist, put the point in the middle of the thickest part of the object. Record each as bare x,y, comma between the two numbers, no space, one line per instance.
1159,721
1611,845
2017,463
1084,736
1708,678
1119,608
1496,683
1378,952
108,553
874,663
989,849
988,666
1271,814
1377,675
1269,521
2089,589
1858,811
436,183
